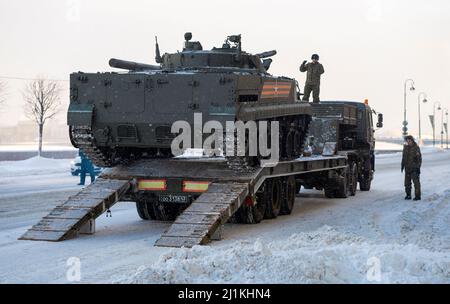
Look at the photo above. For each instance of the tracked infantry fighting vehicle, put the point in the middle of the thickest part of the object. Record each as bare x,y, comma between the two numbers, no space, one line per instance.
114,117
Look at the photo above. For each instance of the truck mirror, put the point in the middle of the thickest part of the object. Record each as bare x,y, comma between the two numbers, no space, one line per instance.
380,121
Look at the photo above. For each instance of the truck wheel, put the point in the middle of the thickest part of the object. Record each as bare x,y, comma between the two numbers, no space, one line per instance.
289,187
353,182
141,208
272,197
365,182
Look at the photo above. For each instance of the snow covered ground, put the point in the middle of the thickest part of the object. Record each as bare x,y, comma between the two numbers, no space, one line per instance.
375,237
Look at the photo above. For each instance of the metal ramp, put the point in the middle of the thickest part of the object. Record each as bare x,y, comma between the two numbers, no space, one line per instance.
79,211
198,223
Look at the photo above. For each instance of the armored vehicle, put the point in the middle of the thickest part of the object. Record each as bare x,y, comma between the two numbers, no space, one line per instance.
118,116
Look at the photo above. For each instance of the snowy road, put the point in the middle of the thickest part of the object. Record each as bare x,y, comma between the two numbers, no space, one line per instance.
322,241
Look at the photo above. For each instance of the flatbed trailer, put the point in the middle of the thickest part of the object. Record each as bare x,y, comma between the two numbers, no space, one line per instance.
207,193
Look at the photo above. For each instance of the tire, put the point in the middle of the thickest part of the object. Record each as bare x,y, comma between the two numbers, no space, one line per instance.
272,196
298,187
166,212
141,208
290,190
366,178
342,190
251,214
329,192
365,182
353,182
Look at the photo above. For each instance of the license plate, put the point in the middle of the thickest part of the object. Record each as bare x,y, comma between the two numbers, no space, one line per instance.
169,198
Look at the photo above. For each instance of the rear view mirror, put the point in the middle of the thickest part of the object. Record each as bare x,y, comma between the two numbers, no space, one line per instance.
380,121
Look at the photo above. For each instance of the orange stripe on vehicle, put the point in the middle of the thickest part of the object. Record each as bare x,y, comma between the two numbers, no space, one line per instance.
277,86
276,93
155,184
190,186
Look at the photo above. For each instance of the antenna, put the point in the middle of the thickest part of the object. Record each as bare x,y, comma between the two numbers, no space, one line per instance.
158,58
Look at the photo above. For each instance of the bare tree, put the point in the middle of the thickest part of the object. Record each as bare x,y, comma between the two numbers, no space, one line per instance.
42,101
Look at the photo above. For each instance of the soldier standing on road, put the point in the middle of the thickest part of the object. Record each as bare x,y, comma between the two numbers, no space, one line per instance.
86,167
411,163
314,70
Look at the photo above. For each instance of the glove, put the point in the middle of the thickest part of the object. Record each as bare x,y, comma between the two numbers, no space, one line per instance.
304,62
402,169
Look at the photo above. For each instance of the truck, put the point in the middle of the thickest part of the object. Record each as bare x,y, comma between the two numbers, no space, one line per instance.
200,195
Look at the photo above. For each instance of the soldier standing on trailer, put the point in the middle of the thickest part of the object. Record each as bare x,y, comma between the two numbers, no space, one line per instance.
411,163
314,70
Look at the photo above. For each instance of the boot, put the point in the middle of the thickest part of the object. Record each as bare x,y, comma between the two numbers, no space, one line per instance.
408,197
417,198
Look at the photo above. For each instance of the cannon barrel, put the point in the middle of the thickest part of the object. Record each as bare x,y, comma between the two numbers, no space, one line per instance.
267,54
132,66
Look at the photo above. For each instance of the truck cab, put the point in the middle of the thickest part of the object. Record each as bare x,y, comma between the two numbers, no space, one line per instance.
349,127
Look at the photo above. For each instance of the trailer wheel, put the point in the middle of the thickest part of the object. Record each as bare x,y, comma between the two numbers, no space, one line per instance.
353,182
166,211
329,192
290,190
298,187
251,214
141,208
272,196
342,190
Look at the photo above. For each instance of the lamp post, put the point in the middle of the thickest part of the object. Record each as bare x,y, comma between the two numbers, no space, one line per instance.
405,122
442,127
418,103
446,127
434,120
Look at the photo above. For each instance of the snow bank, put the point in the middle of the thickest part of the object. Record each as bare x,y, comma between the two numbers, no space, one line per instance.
321,256
34,165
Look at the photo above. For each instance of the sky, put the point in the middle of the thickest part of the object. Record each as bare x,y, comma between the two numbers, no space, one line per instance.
368,47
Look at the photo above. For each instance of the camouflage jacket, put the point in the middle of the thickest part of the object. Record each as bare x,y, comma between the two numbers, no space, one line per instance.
314,71
412,158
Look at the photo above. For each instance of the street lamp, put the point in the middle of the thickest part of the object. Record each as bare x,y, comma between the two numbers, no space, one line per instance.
442,127
434,120
405,122
446,127
418,103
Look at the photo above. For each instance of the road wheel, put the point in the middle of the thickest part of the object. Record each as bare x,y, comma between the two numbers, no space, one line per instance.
353,181
290,190
272,197
250,213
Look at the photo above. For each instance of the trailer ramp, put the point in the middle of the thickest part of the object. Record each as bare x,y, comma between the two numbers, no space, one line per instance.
66,220
197,224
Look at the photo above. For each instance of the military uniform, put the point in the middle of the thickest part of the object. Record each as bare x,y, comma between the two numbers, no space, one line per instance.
86,167
411,163
312,84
